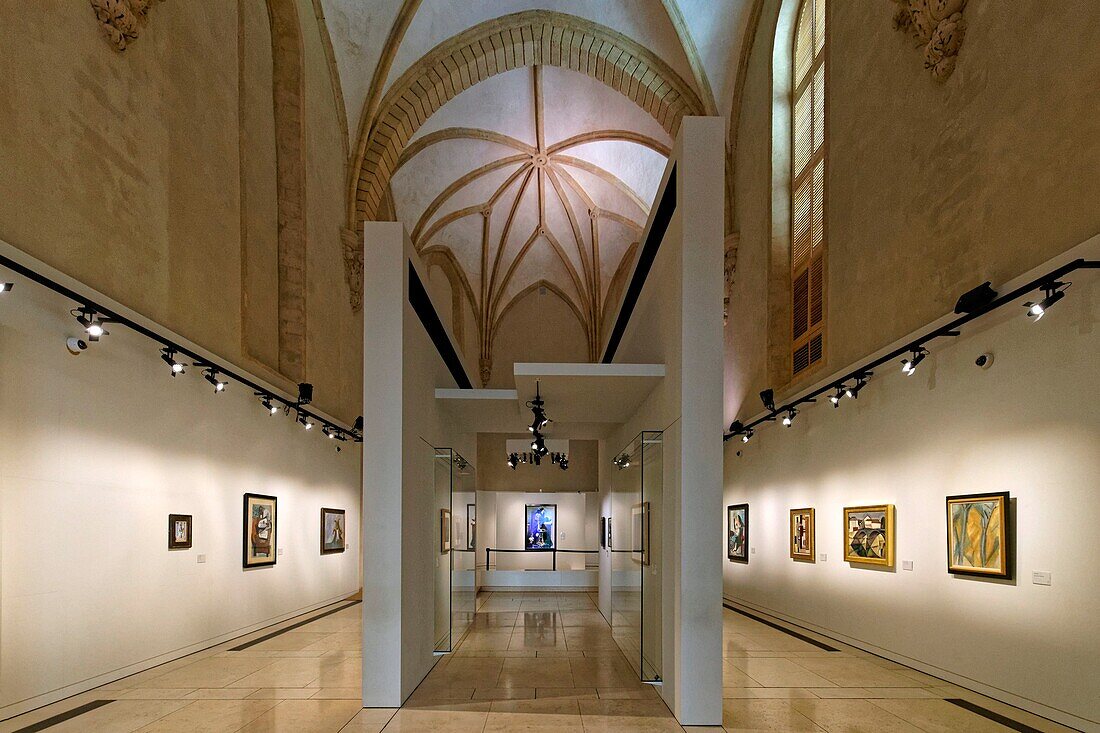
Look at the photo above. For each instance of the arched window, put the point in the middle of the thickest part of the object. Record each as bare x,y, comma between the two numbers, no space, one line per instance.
808,240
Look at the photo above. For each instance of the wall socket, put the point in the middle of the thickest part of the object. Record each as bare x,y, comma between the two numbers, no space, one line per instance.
753,551
202,558
280,551
906,564
1041,577
822,557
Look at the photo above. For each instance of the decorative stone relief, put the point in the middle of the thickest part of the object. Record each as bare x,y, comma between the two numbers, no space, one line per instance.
353,266
121,19
732,240
938,24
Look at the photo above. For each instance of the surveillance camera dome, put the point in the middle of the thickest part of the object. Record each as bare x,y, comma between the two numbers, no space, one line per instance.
75,345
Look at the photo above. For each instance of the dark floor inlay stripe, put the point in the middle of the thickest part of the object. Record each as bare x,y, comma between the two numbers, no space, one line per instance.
62,717
995,717
785,630
273,634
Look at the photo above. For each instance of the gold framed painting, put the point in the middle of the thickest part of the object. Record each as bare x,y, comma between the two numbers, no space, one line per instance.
802,534
869,535
444,531
978,541
260,524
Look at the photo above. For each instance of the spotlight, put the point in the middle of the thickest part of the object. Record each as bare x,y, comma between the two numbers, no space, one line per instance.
768,398
538,446
91,321
168,355
536,458
838,395
909,366
304,421
622,461
747,436
513,461
6,287
563,464
789,417
266,401
1054,292
861,382
210,374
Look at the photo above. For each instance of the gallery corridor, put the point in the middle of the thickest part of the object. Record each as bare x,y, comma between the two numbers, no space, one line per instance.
531,661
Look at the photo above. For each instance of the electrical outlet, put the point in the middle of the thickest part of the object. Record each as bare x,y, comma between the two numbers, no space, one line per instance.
202,558
822,557
1041,577
754,551
906,564
280,551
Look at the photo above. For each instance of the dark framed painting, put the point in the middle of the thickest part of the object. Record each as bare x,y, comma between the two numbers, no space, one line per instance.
541,528
333,527
869,535
737,532
444,531
471,526
978,536
179,531
260,528
603,532
802,535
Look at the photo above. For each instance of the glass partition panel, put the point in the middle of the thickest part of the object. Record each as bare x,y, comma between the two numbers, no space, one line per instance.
625,542
442,532
464,549
649,557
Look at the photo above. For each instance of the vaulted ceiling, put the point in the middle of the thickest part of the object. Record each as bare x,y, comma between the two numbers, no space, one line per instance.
521,142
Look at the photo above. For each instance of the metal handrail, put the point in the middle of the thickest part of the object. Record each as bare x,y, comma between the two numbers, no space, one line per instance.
553,550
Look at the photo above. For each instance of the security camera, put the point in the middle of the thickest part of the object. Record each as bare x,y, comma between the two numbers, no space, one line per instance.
75,345
984,361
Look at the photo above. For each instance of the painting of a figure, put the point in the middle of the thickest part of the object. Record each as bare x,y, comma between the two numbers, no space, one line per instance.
179,531
539,533
977,535
737,532
471,526
802,535
869,535
332,531
259,530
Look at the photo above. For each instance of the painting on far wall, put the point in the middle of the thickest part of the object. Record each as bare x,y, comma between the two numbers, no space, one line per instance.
802,535
260,524
603,530
471,526
444,531
179,531
869,535
737,532
332,531
977,535
540,527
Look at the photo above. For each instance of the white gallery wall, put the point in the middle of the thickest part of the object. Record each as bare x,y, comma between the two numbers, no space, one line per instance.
95,451
507,515
1029,425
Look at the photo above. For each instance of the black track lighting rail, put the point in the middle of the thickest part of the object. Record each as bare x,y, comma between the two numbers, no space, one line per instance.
109,316
863,373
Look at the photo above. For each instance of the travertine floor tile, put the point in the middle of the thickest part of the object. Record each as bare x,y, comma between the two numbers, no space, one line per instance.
211,716
305,716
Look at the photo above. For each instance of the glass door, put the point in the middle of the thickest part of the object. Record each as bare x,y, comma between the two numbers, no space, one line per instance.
464,549
649,555
442,526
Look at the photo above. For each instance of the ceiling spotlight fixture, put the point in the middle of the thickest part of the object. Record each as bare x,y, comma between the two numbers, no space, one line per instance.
789,417
168,355
513,460
768,398
268,402
909,366
563,464
304,421
6,287
1053,292
861,382
622,461
329,432
91,321
835,397
210,374
747,436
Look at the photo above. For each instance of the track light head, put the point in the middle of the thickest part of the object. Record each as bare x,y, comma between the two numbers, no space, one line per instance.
789,417
838,395
1053,292
268,403
622,461
909,366
168,356
304,421
6,287
747,436
91,321
210,374
861,382
768,398
563,464
513,460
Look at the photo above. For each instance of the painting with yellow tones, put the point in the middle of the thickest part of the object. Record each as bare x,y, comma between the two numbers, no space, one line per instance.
869,535
977,535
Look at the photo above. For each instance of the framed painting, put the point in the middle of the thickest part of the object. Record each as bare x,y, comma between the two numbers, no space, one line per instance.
978,535
260,527
639,530
471,526
332,531
737,532
802,535
869,535
444,531
609,533
603,532
541,526
179,531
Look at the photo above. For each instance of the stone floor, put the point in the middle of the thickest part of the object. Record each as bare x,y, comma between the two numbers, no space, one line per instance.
530,662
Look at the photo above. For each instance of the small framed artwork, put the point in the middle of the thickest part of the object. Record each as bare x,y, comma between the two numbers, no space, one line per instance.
603,532
332,531
471,526
260,527
737,532
609,533
802,534
444,531
978,541
869,535
179,531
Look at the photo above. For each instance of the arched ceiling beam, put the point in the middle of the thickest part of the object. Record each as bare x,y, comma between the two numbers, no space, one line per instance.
599,172
443,257
460,183
702,83
469,210
527,291
610,135
527,38
461,133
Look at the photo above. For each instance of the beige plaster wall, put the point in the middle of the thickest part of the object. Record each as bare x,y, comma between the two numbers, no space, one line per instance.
931,188
124,170
538,328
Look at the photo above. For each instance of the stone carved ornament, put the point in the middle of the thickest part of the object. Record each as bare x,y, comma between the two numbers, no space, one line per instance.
353,266
732,240
938,24
121,19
